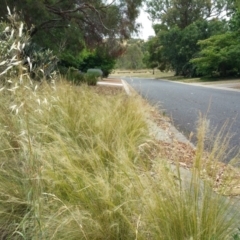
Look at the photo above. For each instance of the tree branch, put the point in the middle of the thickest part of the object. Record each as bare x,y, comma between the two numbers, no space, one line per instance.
42,26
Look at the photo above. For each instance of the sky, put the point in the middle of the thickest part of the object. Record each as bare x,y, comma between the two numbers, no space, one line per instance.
146,29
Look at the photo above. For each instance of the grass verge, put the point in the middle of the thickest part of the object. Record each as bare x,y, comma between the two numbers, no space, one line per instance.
76,164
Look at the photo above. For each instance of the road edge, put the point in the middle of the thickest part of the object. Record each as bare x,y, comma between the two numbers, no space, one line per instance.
155,128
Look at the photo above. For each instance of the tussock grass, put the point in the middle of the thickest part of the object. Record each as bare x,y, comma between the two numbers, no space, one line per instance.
211,163
74,166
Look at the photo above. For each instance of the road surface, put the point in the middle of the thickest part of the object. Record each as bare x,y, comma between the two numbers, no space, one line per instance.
185,102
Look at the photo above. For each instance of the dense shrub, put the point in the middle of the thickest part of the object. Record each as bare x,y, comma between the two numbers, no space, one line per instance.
91,78
96,71
87,59
75,76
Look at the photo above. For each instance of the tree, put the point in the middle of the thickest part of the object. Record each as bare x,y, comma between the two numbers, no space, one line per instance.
182,24
72,27
153,57
181,13
174,48
132,58
219,55
73,24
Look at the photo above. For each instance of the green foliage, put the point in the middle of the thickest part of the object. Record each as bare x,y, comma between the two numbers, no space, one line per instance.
69,60
183,47
43,62
71,26
132,58
75,76
180,30
91,78
236,236
97,72
181,13
219,56
153,57
100,58
234,22
220,53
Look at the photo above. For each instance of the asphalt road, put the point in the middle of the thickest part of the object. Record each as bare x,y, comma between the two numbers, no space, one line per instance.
185,102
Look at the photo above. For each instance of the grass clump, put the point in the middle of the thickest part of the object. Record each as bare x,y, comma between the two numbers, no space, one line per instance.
74,166
64,173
